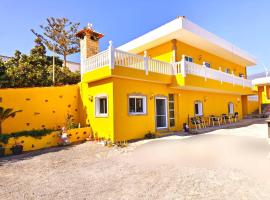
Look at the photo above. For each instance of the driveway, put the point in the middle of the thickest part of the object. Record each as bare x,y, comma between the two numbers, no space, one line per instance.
223,164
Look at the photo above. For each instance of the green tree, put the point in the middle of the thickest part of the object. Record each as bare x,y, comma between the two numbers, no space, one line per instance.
59,34
5,114
35,69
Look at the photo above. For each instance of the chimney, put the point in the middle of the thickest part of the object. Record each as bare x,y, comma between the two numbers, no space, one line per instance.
89,41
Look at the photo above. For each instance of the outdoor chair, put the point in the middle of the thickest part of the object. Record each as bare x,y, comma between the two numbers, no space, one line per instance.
202,121
196,123
226,118
215,119
235,116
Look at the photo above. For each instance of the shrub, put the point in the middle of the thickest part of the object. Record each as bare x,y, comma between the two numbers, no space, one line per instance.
4,138
150,135
2,151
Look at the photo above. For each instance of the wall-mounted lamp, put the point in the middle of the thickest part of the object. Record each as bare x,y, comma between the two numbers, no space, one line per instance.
200,57
238,100
152,96
205,99
90,97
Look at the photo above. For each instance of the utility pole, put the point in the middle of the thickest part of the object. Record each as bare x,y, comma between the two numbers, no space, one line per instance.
53,65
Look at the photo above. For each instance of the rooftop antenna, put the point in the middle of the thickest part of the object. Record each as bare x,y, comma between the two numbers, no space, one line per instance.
266,70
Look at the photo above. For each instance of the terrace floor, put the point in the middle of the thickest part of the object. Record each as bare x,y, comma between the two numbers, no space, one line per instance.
230,163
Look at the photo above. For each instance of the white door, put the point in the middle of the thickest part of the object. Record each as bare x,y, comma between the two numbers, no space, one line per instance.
161,113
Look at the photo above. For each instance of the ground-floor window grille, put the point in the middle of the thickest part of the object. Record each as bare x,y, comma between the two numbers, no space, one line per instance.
171,110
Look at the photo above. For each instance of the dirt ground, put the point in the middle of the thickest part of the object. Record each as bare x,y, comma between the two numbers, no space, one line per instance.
222,164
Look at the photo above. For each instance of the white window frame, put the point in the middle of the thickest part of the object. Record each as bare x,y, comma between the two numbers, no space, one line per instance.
144,104
207,64
173,102
97,105
200,108
230,108
188,59
166,111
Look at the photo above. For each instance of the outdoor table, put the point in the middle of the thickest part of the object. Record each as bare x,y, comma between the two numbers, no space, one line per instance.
215,118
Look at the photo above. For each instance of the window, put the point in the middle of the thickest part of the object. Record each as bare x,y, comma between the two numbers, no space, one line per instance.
227,70
188,59
198,108
101,106
207,64
230,108
171,110
137,105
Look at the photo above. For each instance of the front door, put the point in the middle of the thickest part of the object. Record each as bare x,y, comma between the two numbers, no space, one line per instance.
161,112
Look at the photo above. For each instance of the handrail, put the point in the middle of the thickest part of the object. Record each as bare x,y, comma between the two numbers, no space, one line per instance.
208,73
114,57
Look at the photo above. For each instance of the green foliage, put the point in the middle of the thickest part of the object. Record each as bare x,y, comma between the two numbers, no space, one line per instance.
150,135
5,114
59,34
4,138
70,124
34,70
2,151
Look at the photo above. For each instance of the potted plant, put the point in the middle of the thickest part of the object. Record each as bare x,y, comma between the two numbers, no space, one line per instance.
2,151
17,149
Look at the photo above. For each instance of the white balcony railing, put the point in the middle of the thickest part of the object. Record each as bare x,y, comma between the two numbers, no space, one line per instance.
114,57
208,73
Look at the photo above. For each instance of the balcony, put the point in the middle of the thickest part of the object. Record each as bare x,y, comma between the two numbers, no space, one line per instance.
113,62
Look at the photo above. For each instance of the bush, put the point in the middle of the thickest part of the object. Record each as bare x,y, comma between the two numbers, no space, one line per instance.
2,151
4,138
17,149
150,135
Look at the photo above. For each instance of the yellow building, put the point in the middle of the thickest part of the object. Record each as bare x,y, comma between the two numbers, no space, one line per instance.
262,85
158,81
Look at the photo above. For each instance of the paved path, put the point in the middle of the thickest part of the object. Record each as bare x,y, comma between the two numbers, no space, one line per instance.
223,164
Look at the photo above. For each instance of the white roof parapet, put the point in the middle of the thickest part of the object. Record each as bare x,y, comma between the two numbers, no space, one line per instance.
261,81
186,31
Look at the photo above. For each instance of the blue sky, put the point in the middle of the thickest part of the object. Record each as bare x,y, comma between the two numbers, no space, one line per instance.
243,23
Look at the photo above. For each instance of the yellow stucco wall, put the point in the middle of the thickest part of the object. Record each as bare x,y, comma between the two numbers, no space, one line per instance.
30,143
164,52
252,106
199,56
42,107
103,127
130,127
265,100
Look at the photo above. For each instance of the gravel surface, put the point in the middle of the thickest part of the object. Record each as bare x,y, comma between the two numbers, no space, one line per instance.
223,164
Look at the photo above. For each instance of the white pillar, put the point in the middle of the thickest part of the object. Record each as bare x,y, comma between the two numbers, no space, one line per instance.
111,55
183,66
204,66
145,62
220,75
233,77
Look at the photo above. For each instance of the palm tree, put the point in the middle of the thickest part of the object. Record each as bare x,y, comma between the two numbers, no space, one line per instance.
5,114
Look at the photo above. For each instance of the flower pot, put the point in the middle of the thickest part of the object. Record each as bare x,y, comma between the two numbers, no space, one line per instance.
17,149
2,151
